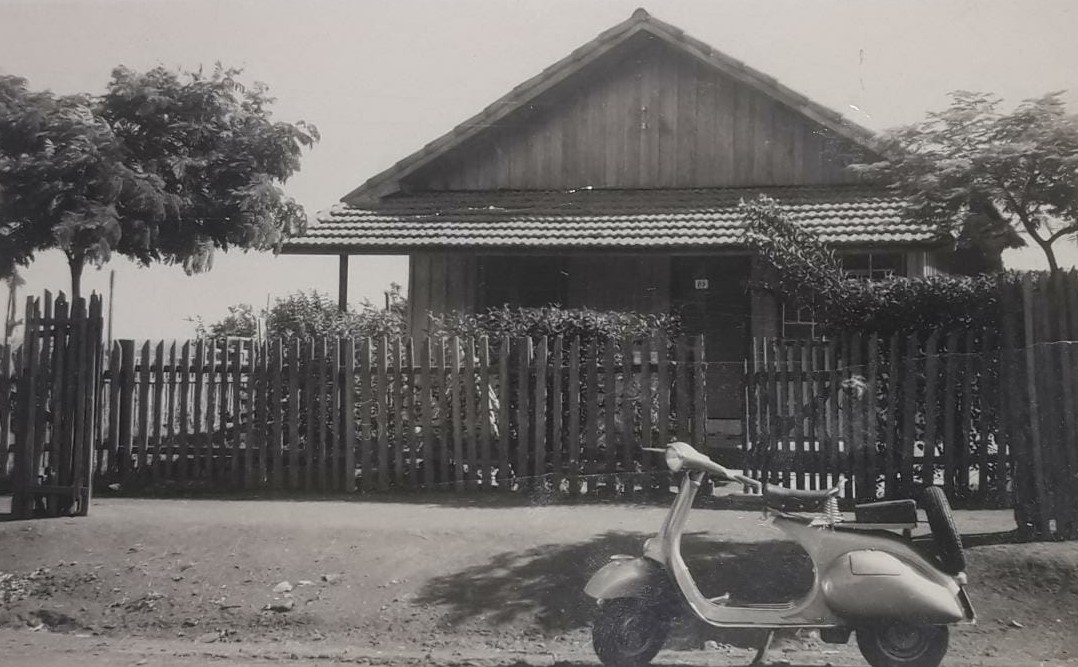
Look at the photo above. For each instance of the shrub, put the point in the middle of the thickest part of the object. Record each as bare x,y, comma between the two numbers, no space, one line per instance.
310,314
801,269
553,320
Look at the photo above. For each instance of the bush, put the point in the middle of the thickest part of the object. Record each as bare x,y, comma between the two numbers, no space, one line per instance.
311,314
802,270
553,321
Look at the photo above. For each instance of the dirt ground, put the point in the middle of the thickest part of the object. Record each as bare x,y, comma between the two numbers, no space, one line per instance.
186,582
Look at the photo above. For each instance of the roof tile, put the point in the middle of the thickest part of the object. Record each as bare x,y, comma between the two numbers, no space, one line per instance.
701,218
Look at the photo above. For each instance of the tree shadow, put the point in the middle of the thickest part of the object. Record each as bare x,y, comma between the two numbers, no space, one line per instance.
544,586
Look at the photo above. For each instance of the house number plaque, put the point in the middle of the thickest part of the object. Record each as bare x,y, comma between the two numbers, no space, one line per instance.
701,283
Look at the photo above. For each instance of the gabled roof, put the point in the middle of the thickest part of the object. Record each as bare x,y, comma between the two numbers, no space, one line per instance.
388,181
602,219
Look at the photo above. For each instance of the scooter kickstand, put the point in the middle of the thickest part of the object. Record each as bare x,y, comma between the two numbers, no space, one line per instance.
761,653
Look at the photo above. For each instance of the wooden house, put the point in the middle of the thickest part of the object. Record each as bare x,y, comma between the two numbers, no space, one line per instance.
611,180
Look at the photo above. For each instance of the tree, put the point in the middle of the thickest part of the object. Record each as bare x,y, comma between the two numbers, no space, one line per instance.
62,175
981,174
164,167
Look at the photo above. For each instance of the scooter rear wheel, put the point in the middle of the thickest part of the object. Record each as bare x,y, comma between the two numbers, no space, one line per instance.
903,644
629,632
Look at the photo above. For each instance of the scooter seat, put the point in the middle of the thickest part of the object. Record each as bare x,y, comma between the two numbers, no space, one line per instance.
795,500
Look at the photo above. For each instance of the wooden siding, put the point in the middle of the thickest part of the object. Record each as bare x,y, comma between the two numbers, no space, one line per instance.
650,117
444,281
440,282
638,283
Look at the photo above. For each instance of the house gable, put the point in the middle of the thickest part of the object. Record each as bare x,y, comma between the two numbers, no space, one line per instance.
641,106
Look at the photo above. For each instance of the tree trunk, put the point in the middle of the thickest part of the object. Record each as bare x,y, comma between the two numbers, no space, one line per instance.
76,264
1053,265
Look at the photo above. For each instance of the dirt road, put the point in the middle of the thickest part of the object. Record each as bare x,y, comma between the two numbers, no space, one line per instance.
174,582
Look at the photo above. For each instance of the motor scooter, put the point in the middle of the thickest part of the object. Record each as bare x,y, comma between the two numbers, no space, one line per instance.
870,578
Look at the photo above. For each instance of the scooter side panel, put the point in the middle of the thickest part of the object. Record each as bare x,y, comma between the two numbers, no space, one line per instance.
628,578
870,584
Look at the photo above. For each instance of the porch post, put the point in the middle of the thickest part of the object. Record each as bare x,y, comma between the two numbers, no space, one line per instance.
342,284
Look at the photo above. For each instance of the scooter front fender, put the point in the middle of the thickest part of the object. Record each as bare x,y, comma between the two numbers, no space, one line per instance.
629,578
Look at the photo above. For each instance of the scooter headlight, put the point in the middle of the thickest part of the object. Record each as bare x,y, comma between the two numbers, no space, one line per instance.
674,460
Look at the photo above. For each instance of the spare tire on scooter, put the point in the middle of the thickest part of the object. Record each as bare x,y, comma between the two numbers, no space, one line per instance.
629,632
944,533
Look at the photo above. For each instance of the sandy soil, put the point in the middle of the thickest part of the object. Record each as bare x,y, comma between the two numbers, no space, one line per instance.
176,582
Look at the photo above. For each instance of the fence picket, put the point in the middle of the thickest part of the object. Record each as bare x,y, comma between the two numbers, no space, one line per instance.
504,396
610,397
556,415
381,396
984,391
397,410
523,375
144,407
366,425
212,429
335,402
626,441
486,467
857,449
574,416
445,422
647,400
457,409
681,390
348,415
909,414
662,373
276,414
293,413
871,409
591,414
794,362
470,415
57,355
833,418
426,410
409,439
198,450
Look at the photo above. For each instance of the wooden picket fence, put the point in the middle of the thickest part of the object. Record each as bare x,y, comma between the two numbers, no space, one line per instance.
338,415
887,415
991,415
49,408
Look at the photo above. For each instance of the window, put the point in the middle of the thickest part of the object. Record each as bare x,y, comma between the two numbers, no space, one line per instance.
797,322
874,265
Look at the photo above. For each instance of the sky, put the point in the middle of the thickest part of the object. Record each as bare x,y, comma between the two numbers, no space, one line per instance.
382,78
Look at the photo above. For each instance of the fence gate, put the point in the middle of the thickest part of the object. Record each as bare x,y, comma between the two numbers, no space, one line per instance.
55,420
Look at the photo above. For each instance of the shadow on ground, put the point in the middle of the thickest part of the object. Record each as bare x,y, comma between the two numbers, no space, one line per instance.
545,585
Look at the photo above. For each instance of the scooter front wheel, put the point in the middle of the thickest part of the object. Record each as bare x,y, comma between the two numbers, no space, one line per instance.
629,632
903,644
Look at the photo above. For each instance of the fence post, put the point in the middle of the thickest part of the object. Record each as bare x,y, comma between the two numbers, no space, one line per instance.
1037,459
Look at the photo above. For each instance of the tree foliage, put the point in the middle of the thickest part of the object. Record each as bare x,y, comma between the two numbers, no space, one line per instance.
164,167
801,269
982,175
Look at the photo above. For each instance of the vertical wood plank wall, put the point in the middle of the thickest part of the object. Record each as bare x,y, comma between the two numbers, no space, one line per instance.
654,117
